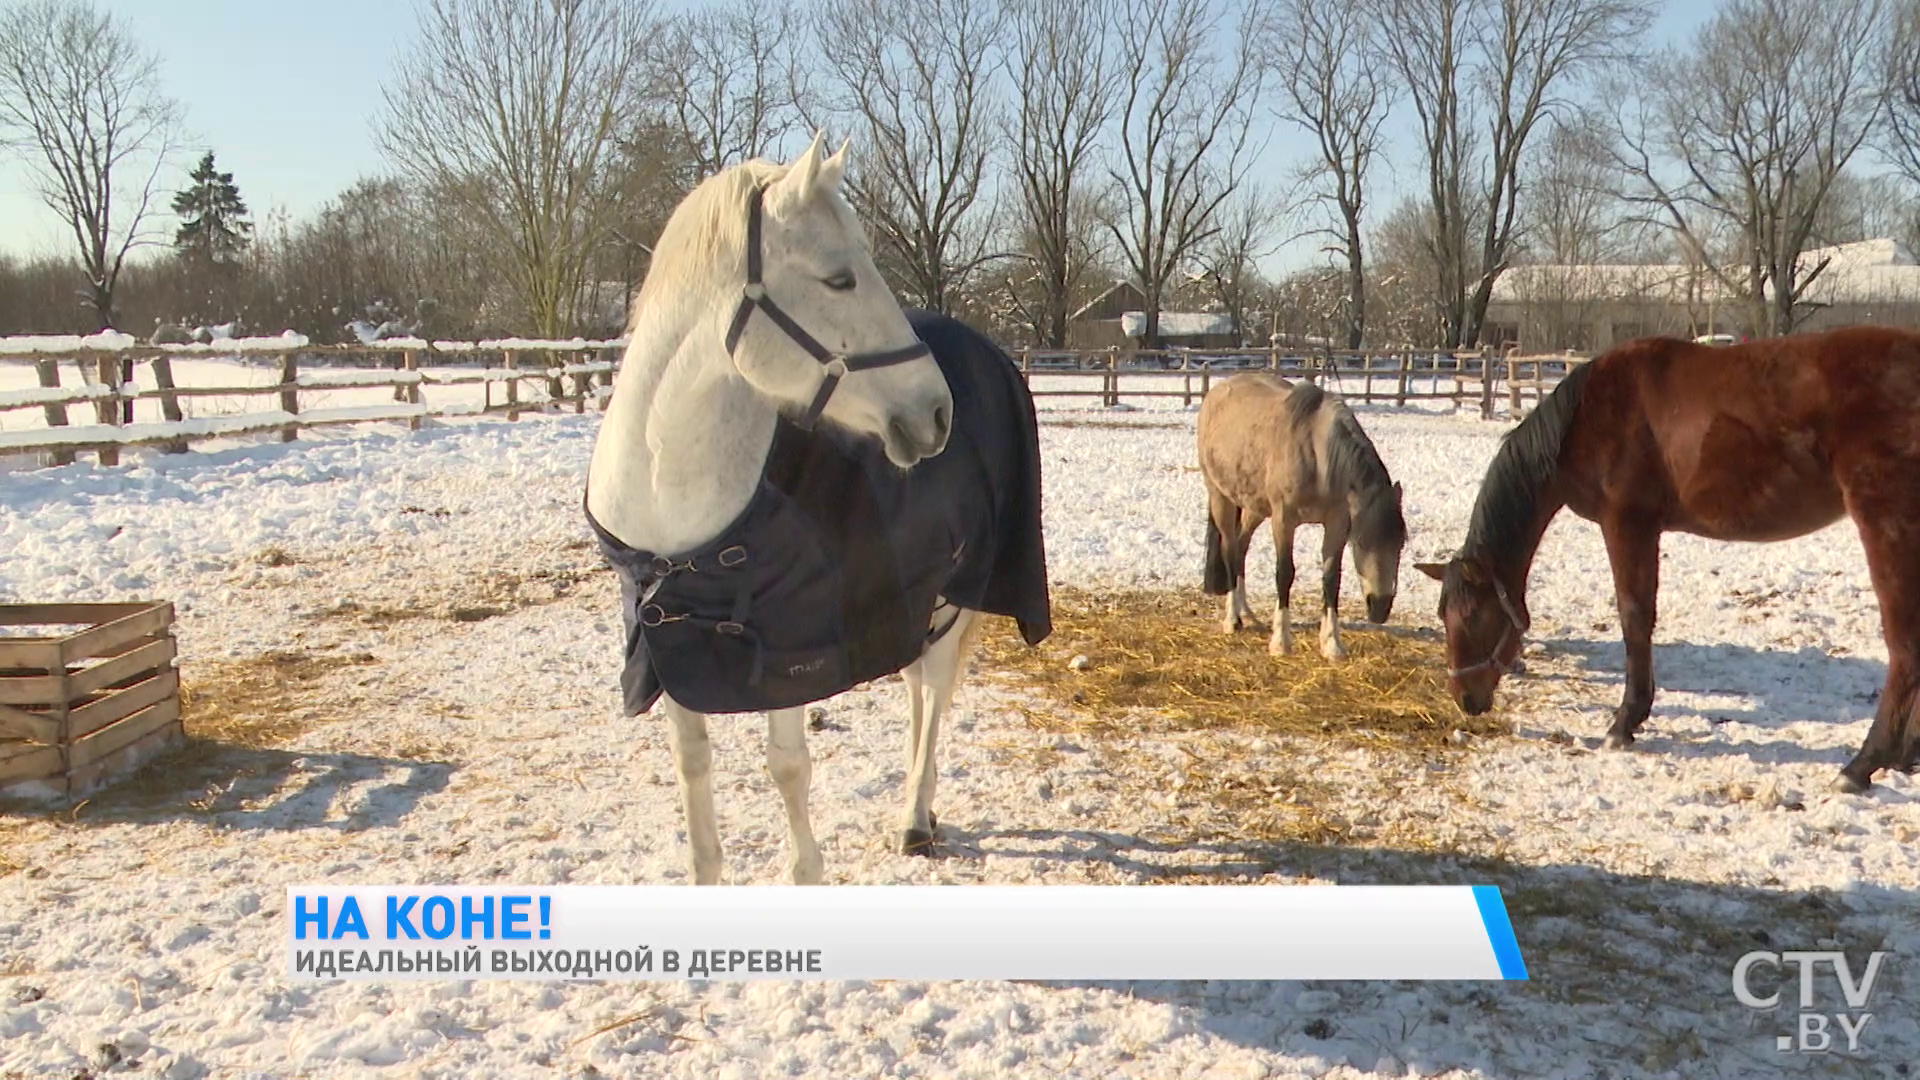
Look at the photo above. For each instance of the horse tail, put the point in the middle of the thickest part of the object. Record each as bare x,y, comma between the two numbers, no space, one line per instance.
1219,572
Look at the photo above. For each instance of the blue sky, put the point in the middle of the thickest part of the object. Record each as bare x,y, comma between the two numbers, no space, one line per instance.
285,94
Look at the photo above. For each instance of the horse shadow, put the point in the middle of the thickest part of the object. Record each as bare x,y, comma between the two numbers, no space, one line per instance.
1764,689
251,788
1629,975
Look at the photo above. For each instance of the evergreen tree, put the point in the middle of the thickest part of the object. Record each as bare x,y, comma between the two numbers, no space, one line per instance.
214,228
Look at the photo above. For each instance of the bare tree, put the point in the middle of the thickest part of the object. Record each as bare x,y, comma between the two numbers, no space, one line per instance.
1229,260
1899,58
1532,50
1516,58
1064,81
1185,116
1571,212
729,79
1748,130
82,100
1331,87
918,88
512,110
1427,42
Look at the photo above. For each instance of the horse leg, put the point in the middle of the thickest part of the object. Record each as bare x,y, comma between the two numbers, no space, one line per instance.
1885,534
1281,643
1223,536
1250,521
693,760
1333,546
1633,550
941,666
792,772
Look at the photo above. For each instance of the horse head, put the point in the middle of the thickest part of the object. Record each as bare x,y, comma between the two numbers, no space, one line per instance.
1485,629
1379,534
811,324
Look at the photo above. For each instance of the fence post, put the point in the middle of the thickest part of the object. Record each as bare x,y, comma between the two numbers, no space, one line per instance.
108,408
1366,364
513,384
1273,356
1206,378
1406,372
1112,380
606,380
1186,380
1513,382
582,383
556,384
1026,366
290,393
410,362
169,400
48,372
1487,373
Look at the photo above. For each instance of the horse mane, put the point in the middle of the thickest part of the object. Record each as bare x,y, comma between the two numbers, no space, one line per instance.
707,232
1353,466
1528,458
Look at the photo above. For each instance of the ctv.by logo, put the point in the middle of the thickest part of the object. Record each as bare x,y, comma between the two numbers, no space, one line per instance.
1813,1034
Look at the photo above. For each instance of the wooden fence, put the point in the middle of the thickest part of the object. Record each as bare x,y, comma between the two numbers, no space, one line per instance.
1386,376
536,376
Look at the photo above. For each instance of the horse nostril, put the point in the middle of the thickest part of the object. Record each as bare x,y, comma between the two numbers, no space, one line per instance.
940,425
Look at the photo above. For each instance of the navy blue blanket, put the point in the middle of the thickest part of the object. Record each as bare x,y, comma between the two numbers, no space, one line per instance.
830,576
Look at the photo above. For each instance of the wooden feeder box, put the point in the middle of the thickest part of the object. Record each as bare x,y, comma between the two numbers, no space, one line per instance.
88,693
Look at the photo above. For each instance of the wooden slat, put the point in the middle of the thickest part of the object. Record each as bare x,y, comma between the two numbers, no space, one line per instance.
101,743
145,655
122,703
39,764
55,614
38,654
93,642
19,723
30,690
87,779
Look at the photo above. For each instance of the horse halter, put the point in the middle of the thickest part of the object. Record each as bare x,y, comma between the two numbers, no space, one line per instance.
754,296
1515,624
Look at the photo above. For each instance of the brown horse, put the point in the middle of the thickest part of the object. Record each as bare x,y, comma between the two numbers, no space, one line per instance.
1765,441
1294,453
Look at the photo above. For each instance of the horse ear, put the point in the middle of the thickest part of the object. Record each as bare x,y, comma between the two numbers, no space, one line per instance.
835,168
803,176
1434,570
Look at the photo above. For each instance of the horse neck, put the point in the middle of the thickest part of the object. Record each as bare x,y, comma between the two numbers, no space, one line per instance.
684,441
1512,561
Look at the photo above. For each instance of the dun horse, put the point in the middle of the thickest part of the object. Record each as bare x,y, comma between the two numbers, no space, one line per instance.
804,488
1764,442
1294,453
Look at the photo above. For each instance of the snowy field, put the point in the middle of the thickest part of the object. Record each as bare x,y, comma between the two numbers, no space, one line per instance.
462,727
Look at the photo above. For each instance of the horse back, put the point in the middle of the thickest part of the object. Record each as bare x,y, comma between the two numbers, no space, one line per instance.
1258,440
1744,442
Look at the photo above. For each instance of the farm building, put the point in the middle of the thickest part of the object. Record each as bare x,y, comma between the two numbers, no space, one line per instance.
1118,317
1586,308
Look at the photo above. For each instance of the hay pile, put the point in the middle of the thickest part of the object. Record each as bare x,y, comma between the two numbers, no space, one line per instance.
1164,654
262,700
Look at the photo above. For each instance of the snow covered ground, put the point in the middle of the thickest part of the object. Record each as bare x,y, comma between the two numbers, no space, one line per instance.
463,727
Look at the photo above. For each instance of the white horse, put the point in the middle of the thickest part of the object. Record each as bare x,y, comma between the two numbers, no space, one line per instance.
713,363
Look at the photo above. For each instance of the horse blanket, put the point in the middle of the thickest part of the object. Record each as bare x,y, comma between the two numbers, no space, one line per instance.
831,575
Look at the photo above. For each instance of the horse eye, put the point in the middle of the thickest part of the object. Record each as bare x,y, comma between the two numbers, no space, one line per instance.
840,282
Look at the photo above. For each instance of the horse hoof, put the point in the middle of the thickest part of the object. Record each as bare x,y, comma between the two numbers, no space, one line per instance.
1279,647
1334,654
1847,785
917,842
1618,742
